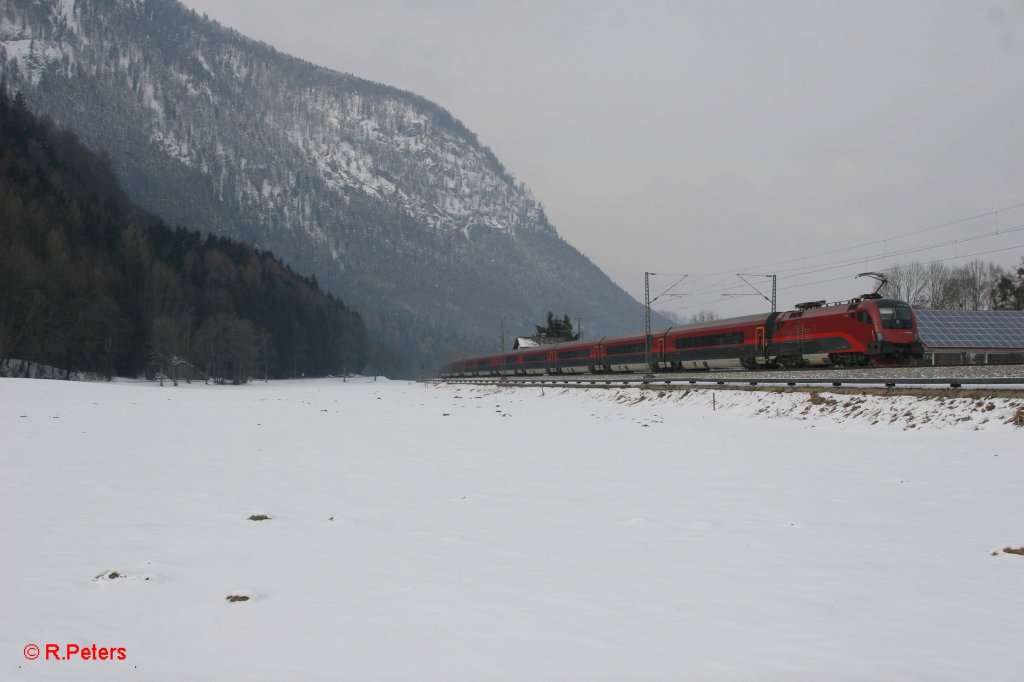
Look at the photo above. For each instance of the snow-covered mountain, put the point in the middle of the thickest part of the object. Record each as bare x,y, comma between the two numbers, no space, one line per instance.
385,197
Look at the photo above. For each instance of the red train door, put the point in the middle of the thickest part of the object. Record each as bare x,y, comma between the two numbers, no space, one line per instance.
759,340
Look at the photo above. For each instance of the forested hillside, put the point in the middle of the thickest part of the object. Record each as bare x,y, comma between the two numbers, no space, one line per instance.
90,283
387,198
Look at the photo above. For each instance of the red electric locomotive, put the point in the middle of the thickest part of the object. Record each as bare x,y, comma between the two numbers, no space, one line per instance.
864,331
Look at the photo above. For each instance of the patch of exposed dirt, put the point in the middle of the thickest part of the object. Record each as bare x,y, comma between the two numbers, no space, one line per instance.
817,398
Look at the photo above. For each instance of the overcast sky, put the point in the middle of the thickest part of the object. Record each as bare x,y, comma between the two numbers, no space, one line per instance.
713,137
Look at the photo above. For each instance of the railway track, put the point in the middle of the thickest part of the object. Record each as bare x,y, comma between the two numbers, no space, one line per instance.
994,377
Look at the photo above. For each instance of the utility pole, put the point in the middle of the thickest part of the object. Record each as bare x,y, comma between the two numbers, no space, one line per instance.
648,341
579,328
503,345
647,319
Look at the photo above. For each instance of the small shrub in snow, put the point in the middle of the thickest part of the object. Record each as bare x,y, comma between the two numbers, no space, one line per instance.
1018,417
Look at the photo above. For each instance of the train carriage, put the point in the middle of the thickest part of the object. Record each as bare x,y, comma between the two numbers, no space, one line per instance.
623,354
486,366
576,357
734,343
532,361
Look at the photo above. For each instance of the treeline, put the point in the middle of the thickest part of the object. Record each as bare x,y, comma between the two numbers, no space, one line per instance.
972,286
90,283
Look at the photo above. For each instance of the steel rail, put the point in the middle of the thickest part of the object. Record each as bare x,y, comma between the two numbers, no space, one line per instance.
954,383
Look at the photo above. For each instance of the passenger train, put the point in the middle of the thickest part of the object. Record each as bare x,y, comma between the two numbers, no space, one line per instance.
870,330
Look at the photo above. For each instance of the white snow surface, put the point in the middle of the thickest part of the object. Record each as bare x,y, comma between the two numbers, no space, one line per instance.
482,533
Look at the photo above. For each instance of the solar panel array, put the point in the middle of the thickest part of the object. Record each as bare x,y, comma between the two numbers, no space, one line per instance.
971,329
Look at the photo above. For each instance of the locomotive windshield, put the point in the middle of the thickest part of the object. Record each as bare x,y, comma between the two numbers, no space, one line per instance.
896,316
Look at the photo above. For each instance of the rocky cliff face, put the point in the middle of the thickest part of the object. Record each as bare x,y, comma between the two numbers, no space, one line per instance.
385,197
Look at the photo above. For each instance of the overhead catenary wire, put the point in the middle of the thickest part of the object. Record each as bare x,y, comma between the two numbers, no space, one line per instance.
903,252
716,288
860,245
897,237
711,291
674,284
845,277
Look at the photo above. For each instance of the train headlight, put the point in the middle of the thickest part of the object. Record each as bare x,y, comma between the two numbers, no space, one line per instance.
879,336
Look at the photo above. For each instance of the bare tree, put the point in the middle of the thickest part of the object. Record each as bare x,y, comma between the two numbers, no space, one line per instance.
227,345
907,282
171,339
971,285
937,275
703,315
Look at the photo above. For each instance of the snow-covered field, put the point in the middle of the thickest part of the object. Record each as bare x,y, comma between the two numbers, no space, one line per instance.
423,532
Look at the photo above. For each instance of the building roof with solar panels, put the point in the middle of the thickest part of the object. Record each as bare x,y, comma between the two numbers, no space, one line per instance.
981,331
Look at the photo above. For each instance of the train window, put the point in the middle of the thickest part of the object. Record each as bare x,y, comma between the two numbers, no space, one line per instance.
862,316
626,349
896,317
710,340
574,354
